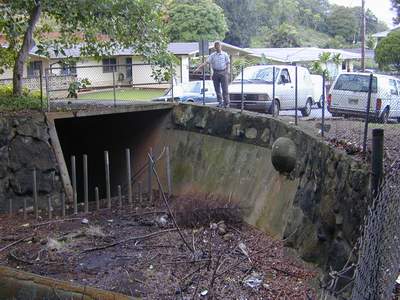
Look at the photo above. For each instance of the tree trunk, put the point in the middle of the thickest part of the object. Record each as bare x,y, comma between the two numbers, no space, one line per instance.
27,45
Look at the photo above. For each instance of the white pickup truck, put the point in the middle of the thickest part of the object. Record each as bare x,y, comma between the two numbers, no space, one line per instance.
258,89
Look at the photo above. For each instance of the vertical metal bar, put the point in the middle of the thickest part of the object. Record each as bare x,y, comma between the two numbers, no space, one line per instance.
62,205
24,209
371,77
10,207
140,192
296,96
323,105
129,175
114,92
172,86
97,197
35,196
107,170
49,208
119,197
273,90
85,183
168,165
242,102
204,79
75,195
377,160
41,87
150,176
46,78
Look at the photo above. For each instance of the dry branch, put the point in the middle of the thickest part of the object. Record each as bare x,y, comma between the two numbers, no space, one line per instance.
147,236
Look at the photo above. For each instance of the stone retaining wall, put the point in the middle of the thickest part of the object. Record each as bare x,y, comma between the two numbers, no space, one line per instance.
24,145
330,188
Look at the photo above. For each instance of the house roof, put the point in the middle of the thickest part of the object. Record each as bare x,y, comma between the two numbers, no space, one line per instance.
292,55
368,52
383,34
189,48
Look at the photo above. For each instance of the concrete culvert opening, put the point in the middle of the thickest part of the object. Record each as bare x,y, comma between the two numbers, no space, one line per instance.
92,135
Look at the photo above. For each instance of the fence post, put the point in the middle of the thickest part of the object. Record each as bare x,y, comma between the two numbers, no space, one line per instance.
41,88
323,106
172,86
46,79
242,103
371,77
273,90
296,95
114,92
204,82
377,160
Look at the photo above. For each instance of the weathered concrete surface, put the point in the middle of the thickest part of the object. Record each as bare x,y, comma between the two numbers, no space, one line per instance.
239,171
24,145
318,208
19,285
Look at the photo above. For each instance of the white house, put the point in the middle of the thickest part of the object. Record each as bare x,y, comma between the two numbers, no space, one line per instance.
306,56
124,67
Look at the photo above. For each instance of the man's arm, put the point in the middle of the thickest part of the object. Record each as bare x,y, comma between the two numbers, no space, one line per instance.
202,65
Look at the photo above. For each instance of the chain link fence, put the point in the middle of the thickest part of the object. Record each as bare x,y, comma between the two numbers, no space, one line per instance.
109,85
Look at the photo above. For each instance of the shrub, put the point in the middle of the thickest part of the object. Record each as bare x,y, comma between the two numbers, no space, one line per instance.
30,100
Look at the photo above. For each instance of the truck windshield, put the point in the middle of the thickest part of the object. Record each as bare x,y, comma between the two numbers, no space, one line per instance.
256,75
355,83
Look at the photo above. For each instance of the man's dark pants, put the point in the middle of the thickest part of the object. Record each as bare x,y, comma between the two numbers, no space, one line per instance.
220,80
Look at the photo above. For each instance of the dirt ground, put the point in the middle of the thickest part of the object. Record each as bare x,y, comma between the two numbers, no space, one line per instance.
141,253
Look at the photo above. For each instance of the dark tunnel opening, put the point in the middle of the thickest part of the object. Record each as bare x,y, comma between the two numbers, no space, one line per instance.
92,135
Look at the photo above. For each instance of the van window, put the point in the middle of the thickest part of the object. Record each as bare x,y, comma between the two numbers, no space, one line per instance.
285,74
393,87
355,83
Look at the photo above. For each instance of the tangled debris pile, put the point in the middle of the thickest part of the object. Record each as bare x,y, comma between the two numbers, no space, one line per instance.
141,254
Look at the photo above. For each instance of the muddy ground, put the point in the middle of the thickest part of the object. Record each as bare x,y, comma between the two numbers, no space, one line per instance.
141,253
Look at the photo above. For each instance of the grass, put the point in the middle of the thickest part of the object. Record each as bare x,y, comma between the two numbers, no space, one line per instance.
123,94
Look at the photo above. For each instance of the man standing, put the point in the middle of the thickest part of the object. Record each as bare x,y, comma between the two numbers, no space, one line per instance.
220,65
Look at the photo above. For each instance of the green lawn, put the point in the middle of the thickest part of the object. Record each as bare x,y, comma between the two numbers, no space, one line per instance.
123,94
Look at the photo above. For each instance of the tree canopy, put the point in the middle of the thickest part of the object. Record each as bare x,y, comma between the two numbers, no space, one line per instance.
396,8
188,21
125,23
387,52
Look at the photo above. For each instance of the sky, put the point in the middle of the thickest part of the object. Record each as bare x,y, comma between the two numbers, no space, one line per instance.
381,8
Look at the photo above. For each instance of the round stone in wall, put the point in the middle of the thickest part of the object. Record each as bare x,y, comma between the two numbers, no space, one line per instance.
284,155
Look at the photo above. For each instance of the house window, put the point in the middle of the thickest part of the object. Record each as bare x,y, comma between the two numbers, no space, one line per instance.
33,68
109,65
68,69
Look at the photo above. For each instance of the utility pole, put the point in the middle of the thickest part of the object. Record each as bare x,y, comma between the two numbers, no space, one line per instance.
363,36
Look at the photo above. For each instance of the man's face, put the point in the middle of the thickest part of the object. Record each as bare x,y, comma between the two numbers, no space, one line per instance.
217,47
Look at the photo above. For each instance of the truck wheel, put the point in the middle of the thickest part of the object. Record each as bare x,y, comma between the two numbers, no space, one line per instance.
275,111
306,110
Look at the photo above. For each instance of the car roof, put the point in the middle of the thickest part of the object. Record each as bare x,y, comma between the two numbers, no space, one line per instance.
277,66
367,73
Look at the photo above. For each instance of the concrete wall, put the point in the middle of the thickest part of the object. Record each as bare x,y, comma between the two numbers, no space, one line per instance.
318,208
24,145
